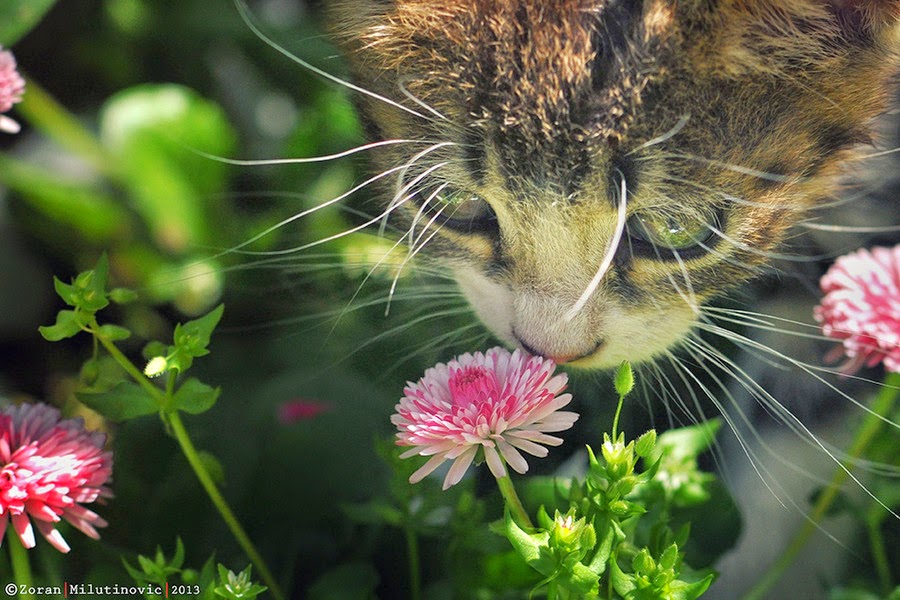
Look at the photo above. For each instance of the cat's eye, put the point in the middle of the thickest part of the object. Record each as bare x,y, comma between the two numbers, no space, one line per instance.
459,210
658,233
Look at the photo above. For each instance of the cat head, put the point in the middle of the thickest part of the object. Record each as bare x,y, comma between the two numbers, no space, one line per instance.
593,171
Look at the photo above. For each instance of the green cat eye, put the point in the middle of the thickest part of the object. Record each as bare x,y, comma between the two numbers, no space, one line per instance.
459,208
671,232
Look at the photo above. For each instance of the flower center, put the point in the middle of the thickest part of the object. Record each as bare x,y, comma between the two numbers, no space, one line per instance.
472,386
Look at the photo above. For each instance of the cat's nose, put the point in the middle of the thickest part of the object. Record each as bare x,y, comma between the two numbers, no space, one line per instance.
557,357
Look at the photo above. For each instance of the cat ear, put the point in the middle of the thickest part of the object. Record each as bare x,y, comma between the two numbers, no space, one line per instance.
864,18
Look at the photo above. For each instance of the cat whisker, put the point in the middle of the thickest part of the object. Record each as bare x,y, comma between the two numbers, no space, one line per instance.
413,250
811,370
241,162
766,175
664,137
848,228
606,263
402,188
691,381
764,253
247,17
401,84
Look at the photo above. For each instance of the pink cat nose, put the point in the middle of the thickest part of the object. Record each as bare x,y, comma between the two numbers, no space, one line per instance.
558,358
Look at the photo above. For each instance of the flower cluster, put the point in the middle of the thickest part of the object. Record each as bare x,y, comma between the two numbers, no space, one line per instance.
861,307
12,87
49,468
499,403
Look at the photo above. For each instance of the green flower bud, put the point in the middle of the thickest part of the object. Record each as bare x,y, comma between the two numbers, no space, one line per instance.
157,366
645,444
624,379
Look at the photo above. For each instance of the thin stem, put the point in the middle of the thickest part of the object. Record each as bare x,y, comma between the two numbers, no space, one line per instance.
865,435
508,491
190,452
412,551
129,367
21,568
615,425
879,554
42,111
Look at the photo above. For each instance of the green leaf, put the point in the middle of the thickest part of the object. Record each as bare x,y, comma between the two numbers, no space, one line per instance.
644,445
623,583
688,441
213,466
192,338
195,397
114,333
18,17
580,580
353,581
66,292
123,295
124,402
66,326
681,590
159,133
74,206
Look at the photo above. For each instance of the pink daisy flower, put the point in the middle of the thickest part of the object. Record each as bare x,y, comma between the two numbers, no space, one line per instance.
861,307
294,411
497,403
12,86
48,469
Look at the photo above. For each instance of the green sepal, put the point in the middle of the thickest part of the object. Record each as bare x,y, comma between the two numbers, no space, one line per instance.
114,333
195,397
90,286
123,402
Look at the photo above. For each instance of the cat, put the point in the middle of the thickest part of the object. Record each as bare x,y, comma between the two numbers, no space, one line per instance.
597,174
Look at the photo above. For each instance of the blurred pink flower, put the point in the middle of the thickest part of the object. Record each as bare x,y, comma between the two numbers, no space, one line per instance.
48,469
861,307
297,410
497,403
12,86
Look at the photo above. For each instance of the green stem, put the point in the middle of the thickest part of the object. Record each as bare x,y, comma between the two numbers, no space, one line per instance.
190,452
129,367
879,554
867,433
615,425
193,457
412,551
18,557
42,111
508,491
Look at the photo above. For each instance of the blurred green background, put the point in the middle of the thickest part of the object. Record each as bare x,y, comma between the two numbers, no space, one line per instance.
127,103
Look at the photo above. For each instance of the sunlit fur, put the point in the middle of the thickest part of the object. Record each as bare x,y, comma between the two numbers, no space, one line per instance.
547,108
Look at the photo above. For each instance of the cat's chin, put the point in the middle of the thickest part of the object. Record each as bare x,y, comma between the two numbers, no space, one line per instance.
598,338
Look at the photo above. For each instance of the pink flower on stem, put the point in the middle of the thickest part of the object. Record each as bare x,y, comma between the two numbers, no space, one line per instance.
49,468
861,307
496,404
12,87
294,411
